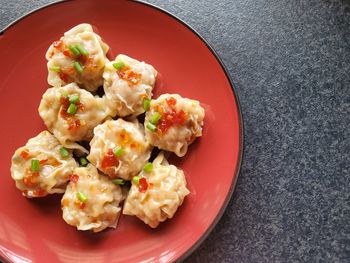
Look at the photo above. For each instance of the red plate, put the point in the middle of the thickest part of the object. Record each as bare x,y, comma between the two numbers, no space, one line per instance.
33,230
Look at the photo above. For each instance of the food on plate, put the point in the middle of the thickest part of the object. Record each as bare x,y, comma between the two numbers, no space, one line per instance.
172,123
91,201
79,56
156,193
128,85
119,148
42,166
71,113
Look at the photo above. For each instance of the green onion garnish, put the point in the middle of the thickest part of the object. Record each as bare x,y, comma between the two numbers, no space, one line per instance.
146,104
64,94
82,197
151,127
118,181
78,67
148,167
83,161
72,109
155,118
119,65
64,152
136,180
74,98
35,165
81,50
118,151
74,50
54,69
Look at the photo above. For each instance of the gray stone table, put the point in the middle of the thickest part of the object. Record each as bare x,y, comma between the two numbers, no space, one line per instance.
290,63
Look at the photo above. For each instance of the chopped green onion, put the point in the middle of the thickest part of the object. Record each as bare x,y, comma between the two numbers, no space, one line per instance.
83,161
64,152
148,167
118,151
74,98
54,69
119,65
78,67
136,180
64,94
74,50
72,109
118,181
155,118
35,165
146,103
82,197
151,127
81,50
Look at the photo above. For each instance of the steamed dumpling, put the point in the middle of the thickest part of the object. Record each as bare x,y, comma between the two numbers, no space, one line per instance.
127,82
172,123
91,201
158,193
71,123
119,148
79,56
39,168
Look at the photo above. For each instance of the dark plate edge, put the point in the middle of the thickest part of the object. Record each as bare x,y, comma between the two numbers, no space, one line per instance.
235,95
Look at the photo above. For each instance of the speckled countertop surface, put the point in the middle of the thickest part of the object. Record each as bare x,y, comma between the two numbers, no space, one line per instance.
290,63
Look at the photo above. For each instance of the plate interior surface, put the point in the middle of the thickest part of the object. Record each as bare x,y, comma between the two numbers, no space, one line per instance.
34,229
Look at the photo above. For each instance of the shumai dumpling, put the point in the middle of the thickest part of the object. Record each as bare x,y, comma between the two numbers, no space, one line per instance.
156,193
42,166
127,83
119,148
91,201
172,123
79,56
71,113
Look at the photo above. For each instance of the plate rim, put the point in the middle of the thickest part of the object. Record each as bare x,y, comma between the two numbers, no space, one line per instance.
236,173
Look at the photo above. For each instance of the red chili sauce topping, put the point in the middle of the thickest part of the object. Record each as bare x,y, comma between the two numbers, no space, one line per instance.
80,204
143,185
74,178
130,76
109,160
31,178
24,154
170,117
59,45
126,140
43,161
65,73
73,124
39,192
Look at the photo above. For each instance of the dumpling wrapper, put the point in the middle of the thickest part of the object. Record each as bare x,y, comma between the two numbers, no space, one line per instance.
180,123
126,88
70,128
165,192
114,134
61,59
54,170
91,201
